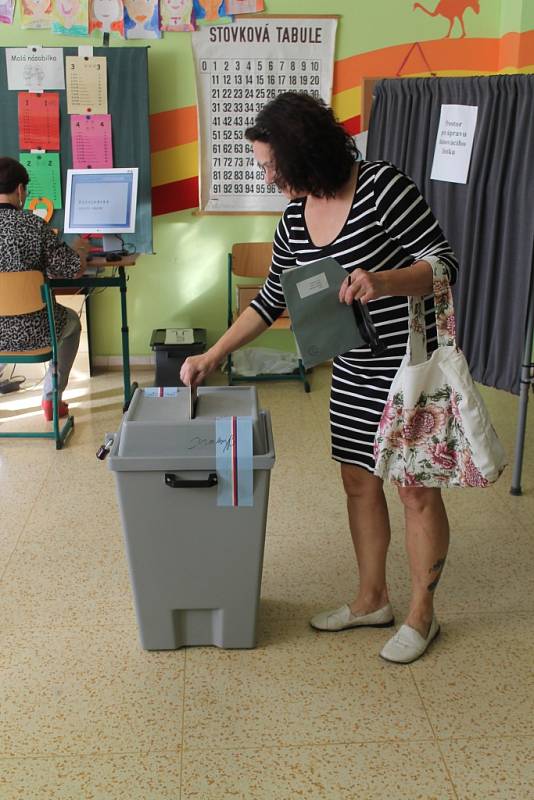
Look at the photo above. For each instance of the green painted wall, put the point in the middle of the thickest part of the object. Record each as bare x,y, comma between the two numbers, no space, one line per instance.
184,283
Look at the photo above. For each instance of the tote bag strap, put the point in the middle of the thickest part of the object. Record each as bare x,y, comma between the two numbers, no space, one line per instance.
444,310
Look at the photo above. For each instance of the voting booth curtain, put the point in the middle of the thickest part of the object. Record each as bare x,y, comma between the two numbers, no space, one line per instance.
489,220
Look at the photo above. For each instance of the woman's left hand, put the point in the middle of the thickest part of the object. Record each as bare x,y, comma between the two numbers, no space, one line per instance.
363,286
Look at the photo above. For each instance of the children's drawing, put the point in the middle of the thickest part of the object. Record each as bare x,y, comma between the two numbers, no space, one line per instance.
244,6
177,15
141,19
6,11
71,18
451,10
36,14
106,16
210,12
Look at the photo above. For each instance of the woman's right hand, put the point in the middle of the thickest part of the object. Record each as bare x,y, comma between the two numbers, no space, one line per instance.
196,368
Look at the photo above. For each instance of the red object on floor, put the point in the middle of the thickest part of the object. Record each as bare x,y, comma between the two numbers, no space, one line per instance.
48,408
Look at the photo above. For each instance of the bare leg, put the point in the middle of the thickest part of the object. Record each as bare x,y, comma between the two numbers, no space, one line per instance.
427,543
369,527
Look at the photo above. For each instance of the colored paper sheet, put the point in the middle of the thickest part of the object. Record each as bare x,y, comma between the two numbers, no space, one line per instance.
45,180
141,19
244,6
177,15
106,16
233,459
7,8
71,17
91,141
87,85
36,15
39,121
210,12
33,69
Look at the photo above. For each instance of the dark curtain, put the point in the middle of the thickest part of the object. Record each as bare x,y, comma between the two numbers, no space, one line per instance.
489,221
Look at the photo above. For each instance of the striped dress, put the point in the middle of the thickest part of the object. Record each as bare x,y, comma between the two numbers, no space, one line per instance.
389,226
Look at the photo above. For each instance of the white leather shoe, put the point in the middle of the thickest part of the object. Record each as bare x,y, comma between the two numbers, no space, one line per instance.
342,618
408,645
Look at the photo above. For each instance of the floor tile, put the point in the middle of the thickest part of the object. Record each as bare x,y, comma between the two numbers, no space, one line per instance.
92,690
481,574
475,679
299,687
66,583
374,771
491,769
120,777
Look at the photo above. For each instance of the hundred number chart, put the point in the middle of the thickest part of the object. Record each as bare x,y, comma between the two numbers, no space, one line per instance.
241,67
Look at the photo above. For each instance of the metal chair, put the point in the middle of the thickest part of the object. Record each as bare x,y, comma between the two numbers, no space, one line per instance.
24,293
248,261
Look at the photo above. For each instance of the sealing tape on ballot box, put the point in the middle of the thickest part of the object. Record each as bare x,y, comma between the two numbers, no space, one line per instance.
161,391
234,461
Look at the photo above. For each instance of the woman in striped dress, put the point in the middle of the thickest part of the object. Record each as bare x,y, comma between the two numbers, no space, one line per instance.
372,219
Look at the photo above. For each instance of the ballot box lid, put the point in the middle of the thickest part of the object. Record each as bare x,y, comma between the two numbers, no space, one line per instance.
161,426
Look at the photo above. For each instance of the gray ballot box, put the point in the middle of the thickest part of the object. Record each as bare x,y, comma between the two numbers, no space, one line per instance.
195,566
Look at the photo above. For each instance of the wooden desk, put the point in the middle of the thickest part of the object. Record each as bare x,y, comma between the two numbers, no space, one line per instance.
87,282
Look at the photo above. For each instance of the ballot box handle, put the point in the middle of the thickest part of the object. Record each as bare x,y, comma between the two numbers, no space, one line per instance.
174,482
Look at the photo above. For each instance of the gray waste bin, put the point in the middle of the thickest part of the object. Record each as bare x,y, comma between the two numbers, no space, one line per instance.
195,567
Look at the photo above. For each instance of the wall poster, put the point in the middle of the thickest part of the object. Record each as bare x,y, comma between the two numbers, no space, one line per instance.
239,68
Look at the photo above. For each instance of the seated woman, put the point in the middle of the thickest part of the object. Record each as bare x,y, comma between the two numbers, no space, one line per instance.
29,243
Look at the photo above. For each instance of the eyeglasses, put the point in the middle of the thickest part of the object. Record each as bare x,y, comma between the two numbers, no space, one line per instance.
267,166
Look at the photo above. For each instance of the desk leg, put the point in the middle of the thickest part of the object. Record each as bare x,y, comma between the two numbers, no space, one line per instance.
128,387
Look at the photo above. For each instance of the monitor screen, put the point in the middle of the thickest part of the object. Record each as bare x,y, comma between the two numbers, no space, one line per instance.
101,200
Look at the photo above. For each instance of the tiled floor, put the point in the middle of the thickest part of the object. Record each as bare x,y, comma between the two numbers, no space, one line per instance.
86,714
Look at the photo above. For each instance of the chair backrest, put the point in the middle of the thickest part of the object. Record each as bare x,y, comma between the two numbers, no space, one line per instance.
20,292
251,259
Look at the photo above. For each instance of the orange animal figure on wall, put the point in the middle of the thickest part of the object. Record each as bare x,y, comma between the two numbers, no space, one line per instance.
451,10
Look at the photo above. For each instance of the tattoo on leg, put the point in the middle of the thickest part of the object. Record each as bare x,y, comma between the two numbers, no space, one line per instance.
437,567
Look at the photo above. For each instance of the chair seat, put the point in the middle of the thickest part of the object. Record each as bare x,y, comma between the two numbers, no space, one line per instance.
25,292
44,352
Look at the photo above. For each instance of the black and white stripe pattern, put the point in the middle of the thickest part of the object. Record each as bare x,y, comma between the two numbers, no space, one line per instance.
389,227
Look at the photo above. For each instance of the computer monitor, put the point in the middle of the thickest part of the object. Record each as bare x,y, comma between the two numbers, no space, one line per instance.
101,201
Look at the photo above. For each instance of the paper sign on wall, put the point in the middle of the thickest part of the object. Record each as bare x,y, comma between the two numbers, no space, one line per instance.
33,69
106,16
39,121
87,86
7,8
91,141
36,15
45,181
177,15
454,143
71,19
244,6
239,68
141,19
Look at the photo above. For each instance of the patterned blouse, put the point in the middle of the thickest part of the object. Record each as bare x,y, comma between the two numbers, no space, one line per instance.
28,243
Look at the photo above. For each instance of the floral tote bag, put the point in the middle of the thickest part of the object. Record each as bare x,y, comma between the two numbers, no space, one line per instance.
435,430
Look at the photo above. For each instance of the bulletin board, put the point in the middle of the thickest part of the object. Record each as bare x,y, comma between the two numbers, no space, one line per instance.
127,80
240,68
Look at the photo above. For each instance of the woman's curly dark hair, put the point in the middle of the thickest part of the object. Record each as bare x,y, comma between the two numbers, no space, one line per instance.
312,152
12,173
